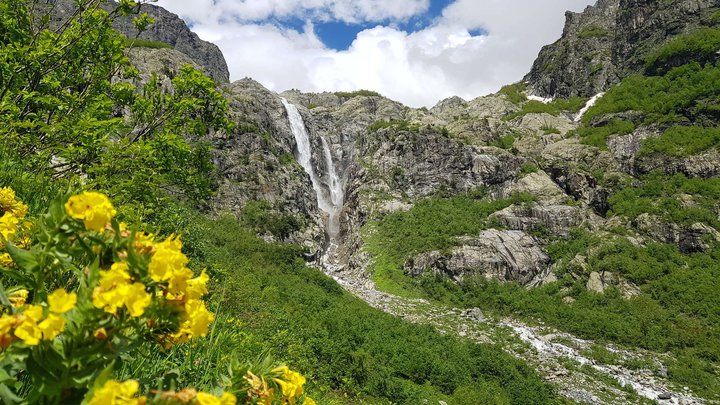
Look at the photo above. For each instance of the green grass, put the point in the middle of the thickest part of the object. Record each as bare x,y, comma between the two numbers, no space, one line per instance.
269,302
514,92
555,107
597,136
683,141
432,224
700,46
358,93
659,194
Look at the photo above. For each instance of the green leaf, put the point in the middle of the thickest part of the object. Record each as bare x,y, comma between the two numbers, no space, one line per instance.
24,259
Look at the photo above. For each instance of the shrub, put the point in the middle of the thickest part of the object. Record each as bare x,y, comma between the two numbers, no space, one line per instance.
700,46
358,93
514,92
597,136
85,291
683,141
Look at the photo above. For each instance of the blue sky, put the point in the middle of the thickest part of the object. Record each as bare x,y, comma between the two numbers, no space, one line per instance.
339,35
414,51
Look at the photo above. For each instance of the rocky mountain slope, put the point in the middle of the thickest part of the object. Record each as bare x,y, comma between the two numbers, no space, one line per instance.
168,29
605,212
608,41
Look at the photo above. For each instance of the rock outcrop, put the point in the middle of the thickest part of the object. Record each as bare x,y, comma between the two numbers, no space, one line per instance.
500,255
609,41
168,28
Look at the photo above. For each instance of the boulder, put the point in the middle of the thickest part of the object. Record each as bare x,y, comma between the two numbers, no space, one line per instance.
501,255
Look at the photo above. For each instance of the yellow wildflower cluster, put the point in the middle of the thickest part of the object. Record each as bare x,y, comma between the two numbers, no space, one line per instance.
290,384
117,393
114,392
168,264
31,325
116,290
131,287
9,204
11,212
94,209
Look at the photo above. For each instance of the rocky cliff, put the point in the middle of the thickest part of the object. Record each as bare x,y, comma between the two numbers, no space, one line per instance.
609,41
168,28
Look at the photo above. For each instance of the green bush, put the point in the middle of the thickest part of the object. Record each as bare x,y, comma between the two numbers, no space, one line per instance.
400,125
680,96
683,141
432,224
514,92
555,107
597,136
700,46
358,93
504,142
659,194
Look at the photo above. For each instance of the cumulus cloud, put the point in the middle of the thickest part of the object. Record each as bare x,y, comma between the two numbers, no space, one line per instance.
418,68
350,11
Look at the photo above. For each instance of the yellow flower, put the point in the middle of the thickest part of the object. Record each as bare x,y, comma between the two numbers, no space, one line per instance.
178,281
9,203
108,295
144,242
204,398
18,298
6,260
33,312
167,260
115,290
136,299
28,330
8,226
52,326
309,401
7,323
199,318
291,383
117,393
197,287
94,209
60,301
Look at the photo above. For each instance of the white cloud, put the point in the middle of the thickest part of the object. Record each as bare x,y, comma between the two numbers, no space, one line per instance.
417,68
350,11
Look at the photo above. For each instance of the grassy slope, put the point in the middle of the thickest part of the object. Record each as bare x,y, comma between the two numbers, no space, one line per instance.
269,303
677,310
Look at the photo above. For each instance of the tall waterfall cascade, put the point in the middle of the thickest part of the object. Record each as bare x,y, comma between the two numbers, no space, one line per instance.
329,191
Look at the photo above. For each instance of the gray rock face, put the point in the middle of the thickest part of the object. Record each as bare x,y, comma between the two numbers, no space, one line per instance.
168,28
501,255
558,219
599,282
609,41
688,239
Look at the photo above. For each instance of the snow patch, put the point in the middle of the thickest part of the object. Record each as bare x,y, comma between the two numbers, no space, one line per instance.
588,105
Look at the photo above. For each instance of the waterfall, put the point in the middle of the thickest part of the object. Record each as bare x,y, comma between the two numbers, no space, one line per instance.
332,200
